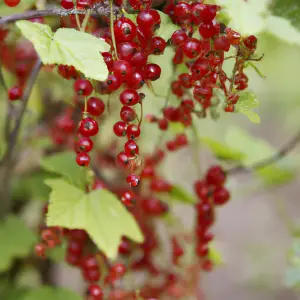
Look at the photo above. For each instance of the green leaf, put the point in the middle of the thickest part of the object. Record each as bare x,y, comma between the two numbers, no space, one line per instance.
289,9
246,103
69,47
180,194
283,30
167,27
165,61
50,293
292,277
215,255
21,7
17,241
222,151
65,165
100,213
246,16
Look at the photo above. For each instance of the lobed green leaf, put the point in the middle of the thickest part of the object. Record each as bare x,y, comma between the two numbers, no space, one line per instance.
180,194
100,213
68,47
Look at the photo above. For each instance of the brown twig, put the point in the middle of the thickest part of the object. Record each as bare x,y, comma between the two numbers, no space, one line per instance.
7,163
285,150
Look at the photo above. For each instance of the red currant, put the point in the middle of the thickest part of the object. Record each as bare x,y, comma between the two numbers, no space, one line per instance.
67,4
95,106
83,87
131,148
133,131
152,72
120,128
95,292
129,97
15,93
85,144
82,159
88,127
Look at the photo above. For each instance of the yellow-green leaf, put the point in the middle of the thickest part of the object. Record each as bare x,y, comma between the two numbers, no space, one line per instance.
180,194
51,293
69,47
100,213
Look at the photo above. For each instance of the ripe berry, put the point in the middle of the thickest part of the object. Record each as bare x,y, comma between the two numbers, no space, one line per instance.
82,4
12,3
82,159
122,160
15,93
158,45
117,271
67,4
222,43
182,10
139,59
67,72
131,148
221,196
128,198
88,127
136,81
83,87
181,140
192,48
148,20
40,250
152,72
113,82
208,12
127,114
124,29
120,128
163,124
91,275
133,180
133,132
233,36
208,30
122,69
108,59
127,50
250,42
125,246
95,292
215,176
129,97
85,144
95,106
89,262
75,248
154,207
179,37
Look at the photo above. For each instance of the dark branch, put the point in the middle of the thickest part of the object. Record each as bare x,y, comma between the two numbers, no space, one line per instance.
285,150
101,9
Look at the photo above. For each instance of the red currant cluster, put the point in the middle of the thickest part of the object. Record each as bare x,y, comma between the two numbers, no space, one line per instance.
210,192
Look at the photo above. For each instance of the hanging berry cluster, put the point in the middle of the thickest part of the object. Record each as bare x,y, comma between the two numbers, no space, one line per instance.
200,46
210,192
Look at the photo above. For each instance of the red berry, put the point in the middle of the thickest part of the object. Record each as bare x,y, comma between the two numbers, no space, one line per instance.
122,69
136,81
67,72
127,114
160,185
163,124
88,127
233,36
122,160
40,250
124,29
95,106
179,37
127,50
202,190
181,140
222,43
95,292
91,275
182,10
12,3
128,198
133,180
139,59
192,48
208,30
148,20
133,132
129,97
90,263
154,207
15,93
108,59
75,248
215,176
82,4
83,87
120,128
221,196
113,82
250,42
131,148
82,159
67,4
125,246
85,144
152,72
117,271
208,12
158,45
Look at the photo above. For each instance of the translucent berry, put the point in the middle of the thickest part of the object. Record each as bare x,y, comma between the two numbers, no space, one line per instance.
15,93
83,87
131,148
95,106
129,97
85,144
67,4
127,114
82,159
88,127
152,72
133,180
95,292
128,198
133,131
120,128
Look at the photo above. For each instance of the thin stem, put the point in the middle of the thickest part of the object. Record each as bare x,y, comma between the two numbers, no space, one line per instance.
196,150
112,32
141,114
233,75
78,22
270,160
85,105
85,21
256,69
